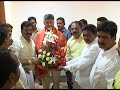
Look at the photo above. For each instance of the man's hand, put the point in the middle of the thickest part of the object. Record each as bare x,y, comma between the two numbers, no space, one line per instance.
35,61
27,70
60,67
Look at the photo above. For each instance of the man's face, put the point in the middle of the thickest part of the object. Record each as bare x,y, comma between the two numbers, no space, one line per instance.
99,23
27,31
33,23
8,40
10,34
49,24
60,24
118,48
10,31
88,36
105,40
76,30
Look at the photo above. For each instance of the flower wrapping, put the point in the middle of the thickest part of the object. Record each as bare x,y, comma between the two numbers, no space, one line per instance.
51,55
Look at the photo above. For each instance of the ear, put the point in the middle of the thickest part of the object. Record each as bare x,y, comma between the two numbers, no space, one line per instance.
44,22
6,41
11,78
95,34
114,37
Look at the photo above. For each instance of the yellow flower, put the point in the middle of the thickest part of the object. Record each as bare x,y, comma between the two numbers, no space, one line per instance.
43,56
50,62
44,52
47,58
43,64
48,54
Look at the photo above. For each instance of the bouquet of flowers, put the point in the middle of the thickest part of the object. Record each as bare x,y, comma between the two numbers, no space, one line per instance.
51,54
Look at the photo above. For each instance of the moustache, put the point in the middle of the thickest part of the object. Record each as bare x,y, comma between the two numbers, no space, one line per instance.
100,43
86,40
74,32
29,33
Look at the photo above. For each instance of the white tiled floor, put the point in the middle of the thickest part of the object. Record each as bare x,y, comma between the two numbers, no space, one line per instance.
63,84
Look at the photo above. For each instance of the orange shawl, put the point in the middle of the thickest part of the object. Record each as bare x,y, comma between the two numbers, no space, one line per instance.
39,37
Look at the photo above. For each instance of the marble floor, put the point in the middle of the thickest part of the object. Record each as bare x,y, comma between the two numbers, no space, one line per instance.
63,84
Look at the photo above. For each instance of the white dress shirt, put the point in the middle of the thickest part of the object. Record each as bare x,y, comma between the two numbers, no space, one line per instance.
83,64
105,68
25,50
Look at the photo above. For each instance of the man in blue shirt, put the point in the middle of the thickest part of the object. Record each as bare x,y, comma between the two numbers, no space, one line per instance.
67,34
61,28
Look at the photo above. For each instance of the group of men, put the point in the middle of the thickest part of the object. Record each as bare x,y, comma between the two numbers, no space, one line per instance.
92,58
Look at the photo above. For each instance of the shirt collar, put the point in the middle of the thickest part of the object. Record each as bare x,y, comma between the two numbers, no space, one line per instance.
54,30
94,41
63,30
25,39
110,50
80,37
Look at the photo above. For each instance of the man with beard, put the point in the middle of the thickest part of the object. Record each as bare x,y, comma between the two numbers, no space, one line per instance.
108,61
74,47
24,48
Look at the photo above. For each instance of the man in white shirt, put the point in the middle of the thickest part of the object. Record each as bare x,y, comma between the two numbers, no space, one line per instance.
24,48
108,61
82,65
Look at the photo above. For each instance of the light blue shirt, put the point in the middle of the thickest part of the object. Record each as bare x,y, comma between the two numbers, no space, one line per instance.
66,33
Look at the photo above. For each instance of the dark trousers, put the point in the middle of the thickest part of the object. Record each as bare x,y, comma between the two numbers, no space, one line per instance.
69,80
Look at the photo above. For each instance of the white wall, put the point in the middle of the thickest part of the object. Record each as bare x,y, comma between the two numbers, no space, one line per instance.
19,11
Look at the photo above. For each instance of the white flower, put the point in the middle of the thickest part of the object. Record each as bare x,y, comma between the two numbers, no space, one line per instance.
44,52
55,36
43,64
40,50
44,41
39,56
53,59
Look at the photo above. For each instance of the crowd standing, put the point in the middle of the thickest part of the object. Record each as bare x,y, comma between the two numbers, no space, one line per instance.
91,51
